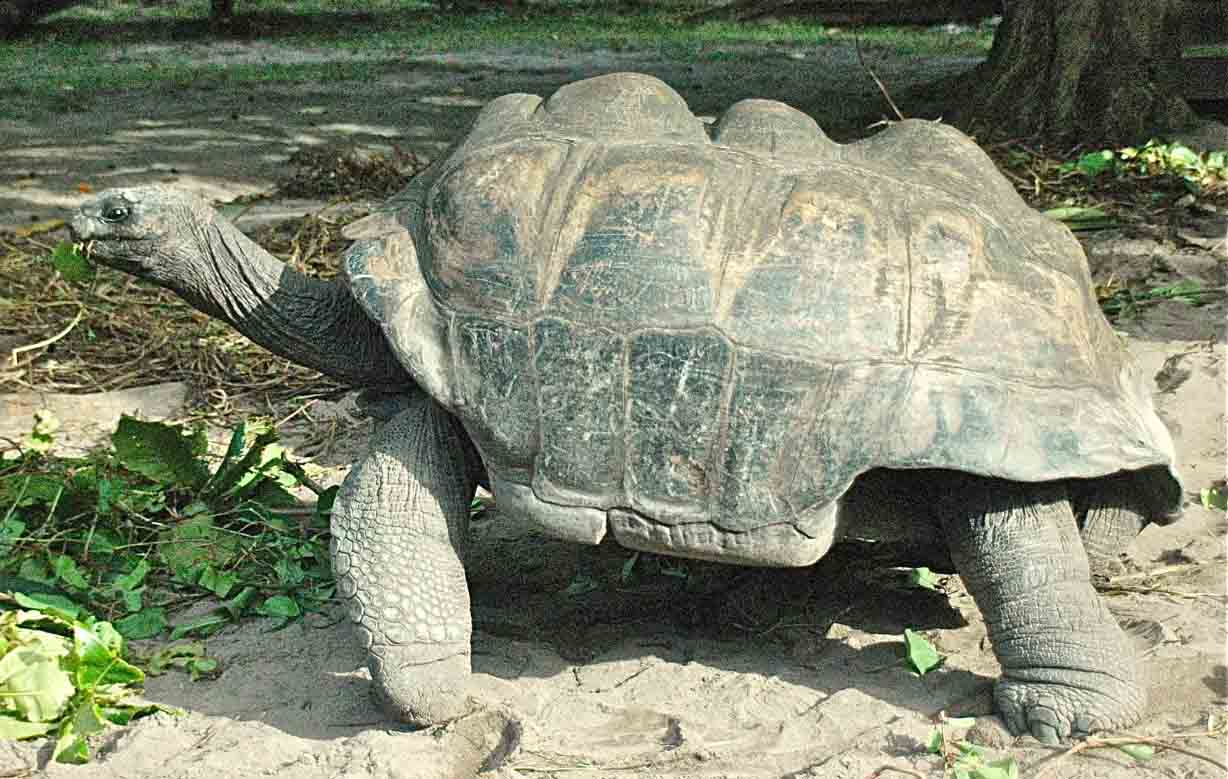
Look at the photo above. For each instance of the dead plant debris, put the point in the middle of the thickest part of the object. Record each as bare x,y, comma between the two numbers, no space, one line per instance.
310,243
121,333
1125,197
332,172
1047,177
133,334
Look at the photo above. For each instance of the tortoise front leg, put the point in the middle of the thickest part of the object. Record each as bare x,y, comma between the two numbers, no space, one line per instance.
1067,667
398,527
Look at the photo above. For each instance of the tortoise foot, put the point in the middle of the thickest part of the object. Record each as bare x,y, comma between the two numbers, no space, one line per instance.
425,685
1052,713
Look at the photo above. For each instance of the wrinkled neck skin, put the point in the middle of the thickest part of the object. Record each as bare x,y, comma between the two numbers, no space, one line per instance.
312,322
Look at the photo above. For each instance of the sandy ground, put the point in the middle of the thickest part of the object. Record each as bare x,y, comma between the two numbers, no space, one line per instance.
730,673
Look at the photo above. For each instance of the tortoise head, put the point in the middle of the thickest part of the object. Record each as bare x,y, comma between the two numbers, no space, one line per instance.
153,232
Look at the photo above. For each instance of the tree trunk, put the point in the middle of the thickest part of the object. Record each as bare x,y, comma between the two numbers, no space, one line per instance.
1104,71
221,12
16,15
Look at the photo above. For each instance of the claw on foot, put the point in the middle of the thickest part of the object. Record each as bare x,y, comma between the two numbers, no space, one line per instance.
1052,714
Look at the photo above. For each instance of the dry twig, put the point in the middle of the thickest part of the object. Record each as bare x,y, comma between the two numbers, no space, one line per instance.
899,770
881,87
1213,730
50,340
126,334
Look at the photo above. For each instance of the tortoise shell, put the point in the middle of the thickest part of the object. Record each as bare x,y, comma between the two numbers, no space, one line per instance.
699,344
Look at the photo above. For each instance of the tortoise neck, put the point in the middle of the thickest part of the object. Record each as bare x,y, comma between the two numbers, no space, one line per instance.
312,322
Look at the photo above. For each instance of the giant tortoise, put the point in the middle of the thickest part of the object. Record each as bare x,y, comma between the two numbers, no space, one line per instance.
701,344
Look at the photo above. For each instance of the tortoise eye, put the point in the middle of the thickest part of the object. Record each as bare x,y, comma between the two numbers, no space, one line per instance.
114,212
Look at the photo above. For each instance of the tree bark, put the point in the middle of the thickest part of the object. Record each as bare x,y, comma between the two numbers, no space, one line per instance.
16,15
1104,71
221,12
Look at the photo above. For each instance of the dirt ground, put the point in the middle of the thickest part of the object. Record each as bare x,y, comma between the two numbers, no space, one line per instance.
727,673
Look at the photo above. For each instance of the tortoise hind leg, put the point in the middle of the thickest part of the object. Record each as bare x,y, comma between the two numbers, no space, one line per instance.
1113,510
398,527
1067,667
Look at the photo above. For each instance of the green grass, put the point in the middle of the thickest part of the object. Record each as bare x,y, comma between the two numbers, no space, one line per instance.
92,48
1217,50
104,47
86,78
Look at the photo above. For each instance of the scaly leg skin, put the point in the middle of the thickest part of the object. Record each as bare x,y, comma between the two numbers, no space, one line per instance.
1067,667
1113,510
1108,528
398,528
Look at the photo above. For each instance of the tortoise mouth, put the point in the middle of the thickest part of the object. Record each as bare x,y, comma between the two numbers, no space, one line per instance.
120,253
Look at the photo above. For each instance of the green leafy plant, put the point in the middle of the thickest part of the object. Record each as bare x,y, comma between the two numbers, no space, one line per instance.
923,578
1080,218
188,655
62,673
581,584
1140,752
1199,172
72,264
964,760
921,655
42,436
1215,496
650,565
1125,303
157,522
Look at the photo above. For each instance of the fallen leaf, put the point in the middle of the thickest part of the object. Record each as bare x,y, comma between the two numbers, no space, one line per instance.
45,226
